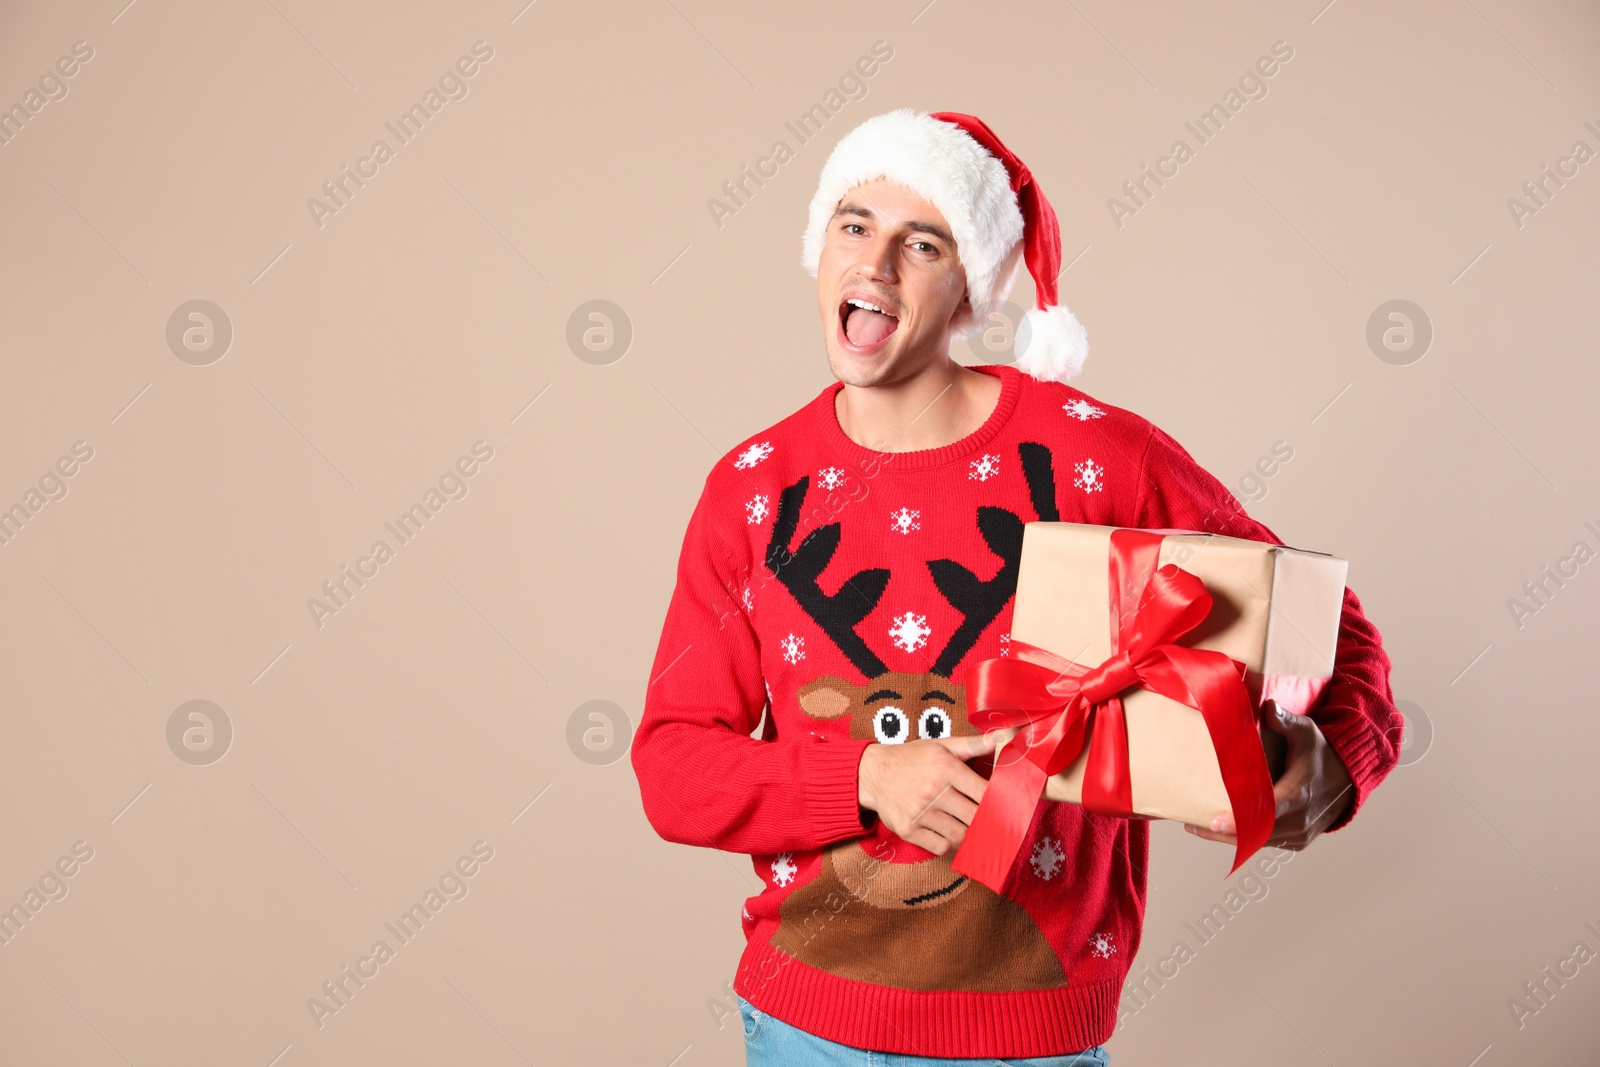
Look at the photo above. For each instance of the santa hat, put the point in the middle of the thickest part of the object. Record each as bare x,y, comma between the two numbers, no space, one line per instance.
997,213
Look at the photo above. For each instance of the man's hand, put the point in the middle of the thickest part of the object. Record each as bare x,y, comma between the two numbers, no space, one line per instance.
922,790
1314,790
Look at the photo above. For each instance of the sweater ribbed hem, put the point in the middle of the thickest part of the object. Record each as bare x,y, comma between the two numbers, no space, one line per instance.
947,1023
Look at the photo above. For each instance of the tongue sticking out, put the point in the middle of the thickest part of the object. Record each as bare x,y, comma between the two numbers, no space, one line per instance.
866,328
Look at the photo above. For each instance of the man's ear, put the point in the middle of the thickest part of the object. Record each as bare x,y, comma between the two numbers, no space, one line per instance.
962,317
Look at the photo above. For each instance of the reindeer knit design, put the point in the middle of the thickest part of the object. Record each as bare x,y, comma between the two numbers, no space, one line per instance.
858,936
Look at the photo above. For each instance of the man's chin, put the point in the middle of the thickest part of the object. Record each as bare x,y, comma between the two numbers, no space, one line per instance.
852,369
888,364
873,361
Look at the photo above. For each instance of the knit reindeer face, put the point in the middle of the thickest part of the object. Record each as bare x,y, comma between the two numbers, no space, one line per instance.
893,708
911,925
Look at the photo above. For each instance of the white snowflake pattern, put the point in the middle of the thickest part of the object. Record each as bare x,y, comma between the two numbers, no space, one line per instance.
753,455
756,511
1090,476
794,649
1082,410
1005,644
830,477
749,600
910,631
1103,945
783,868
985,467
1047,858
905,520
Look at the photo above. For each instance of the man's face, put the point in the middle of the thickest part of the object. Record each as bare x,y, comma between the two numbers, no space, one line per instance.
889,247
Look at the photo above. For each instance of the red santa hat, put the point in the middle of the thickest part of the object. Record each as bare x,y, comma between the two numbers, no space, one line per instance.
997,213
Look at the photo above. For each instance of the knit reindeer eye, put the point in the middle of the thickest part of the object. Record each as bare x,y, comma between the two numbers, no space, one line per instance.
935,722
889,725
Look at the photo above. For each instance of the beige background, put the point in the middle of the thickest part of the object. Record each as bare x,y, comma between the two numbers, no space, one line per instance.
428,714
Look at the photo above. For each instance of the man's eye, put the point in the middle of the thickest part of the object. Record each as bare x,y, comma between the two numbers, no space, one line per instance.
889,725
926,245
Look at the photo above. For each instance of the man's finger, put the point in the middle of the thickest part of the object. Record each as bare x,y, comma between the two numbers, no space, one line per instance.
966,748
924,839
969,782
1298,770
1211,835
944,825
1297,728
1277,840
1288,792
957,805
951,801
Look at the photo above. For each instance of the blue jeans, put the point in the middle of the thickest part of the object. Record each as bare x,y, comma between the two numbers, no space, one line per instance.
771,1042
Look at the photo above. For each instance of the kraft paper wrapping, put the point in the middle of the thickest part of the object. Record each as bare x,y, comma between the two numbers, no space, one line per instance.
1276,610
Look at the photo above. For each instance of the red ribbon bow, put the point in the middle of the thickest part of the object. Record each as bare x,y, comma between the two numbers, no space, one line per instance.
1055,703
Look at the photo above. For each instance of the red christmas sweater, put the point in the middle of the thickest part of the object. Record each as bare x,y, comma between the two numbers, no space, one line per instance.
846,592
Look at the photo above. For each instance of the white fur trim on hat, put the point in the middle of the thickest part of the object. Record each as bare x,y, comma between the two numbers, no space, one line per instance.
938,161
1051,344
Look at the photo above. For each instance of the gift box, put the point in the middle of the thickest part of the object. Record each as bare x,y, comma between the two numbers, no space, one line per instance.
1138,664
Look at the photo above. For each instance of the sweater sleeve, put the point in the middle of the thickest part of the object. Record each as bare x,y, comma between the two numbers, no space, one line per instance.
703,779
1357,712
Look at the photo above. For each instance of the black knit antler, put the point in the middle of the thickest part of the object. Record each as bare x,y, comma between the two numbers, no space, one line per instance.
1041,476
799,570
978,601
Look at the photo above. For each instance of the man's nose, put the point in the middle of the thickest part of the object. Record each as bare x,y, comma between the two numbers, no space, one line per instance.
878,259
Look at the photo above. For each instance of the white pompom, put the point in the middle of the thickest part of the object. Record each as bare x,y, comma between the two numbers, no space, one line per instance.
1052,344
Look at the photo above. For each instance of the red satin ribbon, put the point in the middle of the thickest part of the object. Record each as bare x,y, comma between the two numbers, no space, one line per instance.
1057,703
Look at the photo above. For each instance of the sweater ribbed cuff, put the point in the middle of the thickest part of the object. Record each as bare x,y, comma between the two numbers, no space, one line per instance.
833,789
1366,754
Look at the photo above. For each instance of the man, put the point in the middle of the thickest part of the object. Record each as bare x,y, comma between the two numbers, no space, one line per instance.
842,571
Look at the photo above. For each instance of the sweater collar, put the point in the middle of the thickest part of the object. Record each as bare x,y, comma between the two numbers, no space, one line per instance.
826,422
